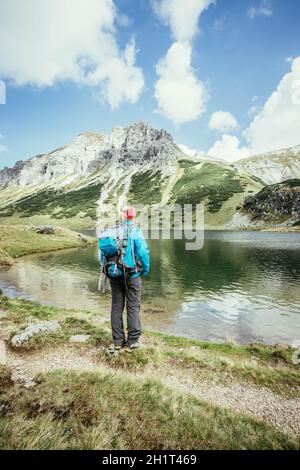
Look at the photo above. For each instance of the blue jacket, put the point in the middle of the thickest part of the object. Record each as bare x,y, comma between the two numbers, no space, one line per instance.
136,250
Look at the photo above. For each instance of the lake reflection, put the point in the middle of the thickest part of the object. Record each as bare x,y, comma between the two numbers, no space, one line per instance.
242,286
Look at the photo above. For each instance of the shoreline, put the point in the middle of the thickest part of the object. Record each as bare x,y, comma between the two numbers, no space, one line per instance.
17,241
69,241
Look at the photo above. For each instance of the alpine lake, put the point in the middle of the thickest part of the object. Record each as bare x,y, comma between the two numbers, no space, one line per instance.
241,286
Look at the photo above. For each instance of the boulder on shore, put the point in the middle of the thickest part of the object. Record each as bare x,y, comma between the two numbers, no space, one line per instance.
82,238
45,229
18,340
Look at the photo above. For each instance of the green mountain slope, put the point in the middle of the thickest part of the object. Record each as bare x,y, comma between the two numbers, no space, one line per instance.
220,187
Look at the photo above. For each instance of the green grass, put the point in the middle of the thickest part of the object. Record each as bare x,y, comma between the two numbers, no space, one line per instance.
59,204
70,326
78,326
43,340
24,311
220,188
21,312
210,183
221,368
135,361
119,410
5,378
68,410
20,240
259,365
5,259
264,353
146,188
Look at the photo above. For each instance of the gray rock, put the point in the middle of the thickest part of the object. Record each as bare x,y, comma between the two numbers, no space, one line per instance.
79,338
274,202
282,346
45,326
45,229
29,384
82,238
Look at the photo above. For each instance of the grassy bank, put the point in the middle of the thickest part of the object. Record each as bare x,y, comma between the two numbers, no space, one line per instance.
103,411
126,402
20,240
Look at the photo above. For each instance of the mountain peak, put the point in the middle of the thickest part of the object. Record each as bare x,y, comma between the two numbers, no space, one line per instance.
143,129
138,144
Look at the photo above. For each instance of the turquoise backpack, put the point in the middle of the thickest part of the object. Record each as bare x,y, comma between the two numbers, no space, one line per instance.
112,243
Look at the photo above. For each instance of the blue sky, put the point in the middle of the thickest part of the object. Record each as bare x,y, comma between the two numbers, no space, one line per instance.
228,81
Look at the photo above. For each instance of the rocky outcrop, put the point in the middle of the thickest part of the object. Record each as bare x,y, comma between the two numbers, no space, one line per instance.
45,230
11,175
273,167
275,203
45,327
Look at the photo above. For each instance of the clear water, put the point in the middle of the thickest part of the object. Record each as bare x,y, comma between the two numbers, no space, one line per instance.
242,286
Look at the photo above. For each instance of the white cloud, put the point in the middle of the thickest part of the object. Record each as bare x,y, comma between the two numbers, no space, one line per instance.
187,150
182,16
3,148
253,110
289,60
124,20
45,42
181,97
125,81
263,9
223,122
228,148
190,152
277,125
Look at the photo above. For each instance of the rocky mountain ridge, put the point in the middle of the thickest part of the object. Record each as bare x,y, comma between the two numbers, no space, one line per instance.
273,167
137,163
138,144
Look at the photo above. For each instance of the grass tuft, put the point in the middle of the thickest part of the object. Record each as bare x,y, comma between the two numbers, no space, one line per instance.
68,410
134,361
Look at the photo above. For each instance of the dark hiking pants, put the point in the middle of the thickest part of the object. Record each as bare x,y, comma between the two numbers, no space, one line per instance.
132,296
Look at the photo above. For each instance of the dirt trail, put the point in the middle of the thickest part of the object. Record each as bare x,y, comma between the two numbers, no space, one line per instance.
281,412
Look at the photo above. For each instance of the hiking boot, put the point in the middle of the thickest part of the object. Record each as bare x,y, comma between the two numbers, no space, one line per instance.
131,347
114,349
